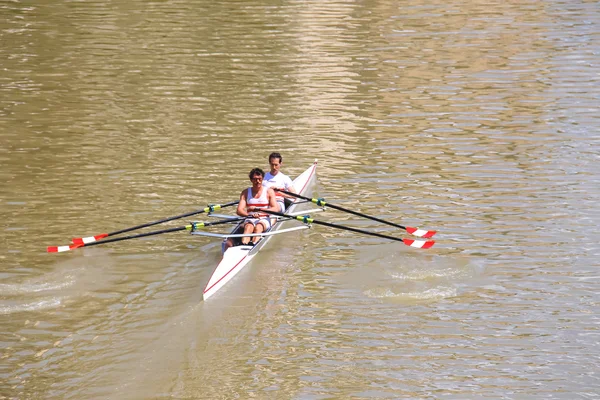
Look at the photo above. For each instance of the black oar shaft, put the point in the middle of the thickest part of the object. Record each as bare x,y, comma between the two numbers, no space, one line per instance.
321,202
190,227
308,220
210,208
118,239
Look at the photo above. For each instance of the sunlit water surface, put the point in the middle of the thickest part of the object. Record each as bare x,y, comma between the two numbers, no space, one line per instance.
479,120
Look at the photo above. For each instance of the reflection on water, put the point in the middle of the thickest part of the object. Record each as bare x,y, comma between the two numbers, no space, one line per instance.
477,120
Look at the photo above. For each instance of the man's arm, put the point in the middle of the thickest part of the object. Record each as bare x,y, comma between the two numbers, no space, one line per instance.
241,208
273,206
290,187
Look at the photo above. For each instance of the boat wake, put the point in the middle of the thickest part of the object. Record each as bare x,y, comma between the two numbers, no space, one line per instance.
429,274
9,289
36,294
436,293
67,282
384,274
39,305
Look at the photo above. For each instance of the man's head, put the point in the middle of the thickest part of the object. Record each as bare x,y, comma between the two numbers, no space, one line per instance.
256,174
275,161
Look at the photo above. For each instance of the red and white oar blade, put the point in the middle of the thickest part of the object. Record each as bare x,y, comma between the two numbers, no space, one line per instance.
60,249
89,239
420,244
420,232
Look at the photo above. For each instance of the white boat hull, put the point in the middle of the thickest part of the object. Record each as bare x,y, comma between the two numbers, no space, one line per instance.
237,257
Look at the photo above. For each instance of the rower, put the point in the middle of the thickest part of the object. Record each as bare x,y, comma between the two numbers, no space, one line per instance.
252,200
276,179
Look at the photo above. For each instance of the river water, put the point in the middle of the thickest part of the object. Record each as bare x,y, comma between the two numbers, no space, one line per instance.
476,119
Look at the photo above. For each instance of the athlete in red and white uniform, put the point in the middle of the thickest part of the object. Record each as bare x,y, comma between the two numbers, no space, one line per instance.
257,202
278,180
252,200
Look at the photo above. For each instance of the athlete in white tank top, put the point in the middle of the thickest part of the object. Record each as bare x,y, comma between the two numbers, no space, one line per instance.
256,203
252,200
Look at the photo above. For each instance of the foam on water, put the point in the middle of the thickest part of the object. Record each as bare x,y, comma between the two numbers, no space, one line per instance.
425,274
436,293
38,305
9,289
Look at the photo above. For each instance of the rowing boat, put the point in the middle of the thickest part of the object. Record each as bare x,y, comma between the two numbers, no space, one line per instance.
237,257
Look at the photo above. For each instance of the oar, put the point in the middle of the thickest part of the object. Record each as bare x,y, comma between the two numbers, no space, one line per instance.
191,227
421,244
321,203
210,208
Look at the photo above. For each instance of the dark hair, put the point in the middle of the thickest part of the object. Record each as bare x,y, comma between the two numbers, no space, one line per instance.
276,155
256,171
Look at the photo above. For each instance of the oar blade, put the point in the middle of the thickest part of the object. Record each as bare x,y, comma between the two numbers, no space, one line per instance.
60,249
420,232
420,244
89,239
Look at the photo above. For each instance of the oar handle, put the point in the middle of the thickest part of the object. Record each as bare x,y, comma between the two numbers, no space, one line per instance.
322,203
